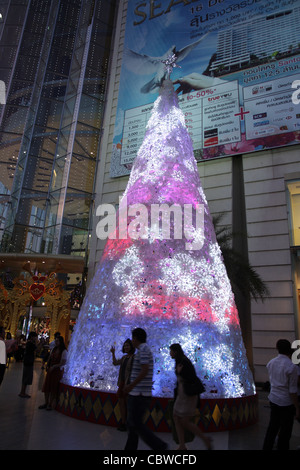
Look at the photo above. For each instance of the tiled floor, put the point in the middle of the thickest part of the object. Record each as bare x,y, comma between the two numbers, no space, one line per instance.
24,427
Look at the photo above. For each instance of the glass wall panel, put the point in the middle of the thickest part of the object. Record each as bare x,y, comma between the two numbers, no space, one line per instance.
94,85
54,85
14,118
59,62
73,241
11,34
77,208
69,13
26,68
98,57
20,93
29,238
82,173
90,111
86,144
49,114
29,200
31,44
7,56
104,13
52,122
38,174
52,208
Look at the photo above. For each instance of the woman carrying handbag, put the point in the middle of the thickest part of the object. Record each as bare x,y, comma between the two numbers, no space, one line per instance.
189,387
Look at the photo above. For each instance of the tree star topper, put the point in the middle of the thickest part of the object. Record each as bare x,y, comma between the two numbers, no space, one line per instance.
170,63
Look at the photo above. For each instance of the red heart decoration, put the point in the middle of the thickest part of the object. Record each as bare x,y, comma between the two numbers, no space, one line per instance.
36,290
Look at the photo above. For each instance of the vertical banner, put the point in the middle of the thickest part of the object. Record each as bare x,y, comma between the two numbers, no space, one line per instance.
238,74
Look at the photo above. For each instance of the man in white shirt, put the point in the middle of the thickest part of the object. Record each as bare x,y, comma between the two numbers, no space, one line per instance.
283,397
2,354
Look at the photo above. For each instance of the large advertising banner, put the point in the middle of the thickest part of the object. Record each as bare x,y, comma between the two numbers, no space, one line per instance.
238,64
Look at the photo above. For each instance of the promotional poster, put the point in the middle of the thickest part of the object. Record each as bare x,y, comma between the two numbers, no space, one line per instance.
238,64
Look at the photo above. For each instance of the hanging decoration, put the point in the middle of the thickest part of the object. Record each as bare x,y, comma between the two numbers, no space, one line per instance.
37,288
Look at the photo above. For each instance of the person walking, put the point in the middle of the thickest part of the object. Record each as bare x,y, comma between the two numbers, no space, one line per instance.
139,395
11,347
56,363
185,403
283,398
28,363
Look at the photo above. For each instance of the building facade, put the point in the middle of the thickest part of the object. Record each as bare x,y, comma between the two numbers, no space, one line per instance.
258,38
56,144
258,192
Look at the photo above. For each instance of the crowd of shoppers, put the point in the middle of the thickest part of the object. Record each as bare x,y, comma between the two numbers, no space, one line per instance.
135,382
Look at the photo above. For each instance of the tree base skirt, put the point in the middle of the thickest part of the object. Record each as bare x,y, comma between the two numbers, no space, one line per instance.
103,408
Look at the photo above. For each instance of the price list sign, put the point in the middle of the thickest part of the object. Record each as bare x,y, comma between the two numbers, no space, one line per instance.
135,122
191,106
211,117
221,121
136,119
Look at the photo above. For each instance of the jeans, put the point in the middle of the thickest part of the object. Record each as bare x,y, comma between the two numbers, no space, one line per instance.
136,408
2,371
281,420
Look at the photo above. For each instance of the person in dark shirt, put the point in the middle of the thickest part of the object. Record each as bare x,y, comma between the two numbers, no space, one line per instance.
28,362
139,392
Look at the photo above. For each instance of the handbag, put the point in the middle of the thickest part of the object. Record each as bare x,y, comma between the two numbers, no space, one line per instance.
194,388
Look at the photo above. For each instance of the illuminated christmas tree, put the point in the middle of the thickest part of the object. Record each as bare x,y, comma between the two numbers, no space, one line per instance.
173,283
